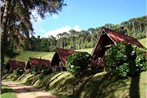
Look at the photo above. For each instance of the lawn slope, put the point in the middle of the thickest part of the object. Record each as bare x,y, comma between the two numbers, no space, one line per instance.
98,85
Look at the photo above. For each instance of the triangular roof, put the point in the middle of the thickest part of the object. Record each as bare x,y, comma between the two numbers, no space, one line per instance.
108,37
36,61
62,54
118,37
16,64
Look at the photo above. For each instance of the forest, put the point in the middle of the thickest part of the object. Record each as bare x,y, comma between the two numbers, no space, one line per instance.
135,27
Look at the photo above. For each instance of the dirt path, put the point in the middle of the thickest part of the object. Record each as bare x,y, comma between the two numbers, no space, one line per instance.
23,91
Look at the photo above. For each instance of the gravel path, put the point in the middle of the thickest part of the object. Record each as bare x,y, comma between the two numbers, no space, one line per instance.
23,91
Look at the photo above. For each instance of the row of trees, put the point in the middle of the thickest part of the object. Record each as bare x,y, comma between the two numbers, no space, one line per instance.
72,40
86,38
137,27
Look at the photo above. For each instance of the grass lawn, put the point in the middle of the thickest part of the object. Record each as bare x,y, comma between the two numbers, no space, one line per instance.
144,42
89,50
24,56
6,92
98,85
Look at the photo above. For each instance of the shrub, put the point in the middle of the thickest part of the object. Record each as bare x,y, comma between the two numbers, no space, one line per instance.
78,62
20,72
123,60
41,69
141,59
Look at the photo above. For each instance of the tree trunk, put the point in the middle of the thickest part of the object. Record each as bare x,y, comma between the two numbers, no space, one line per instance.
4,28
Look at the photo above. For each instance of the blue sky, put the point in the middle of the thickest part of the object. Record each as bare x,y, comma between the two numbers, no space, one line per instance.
84,14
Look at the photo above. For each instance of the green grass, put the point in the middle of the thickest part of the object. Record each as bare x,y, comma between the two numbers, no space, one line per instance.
98,85
101,85
89,50
144,42
6,92
24,56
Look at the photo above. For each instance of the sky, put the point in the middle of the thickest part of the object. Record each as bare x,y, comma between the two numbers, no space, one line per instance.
84,14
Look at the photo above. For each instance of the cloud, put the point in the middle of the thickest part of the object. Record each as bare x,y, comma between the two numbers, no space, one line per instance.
61,30
55,16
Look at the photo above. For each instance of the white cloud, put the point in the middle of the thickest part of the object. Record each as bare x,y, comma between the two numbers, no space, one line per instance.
61,30
55,16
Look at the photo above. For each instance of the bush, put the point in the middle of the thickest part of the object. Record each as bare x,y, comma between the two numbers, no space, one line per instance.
141,59
20,72
78,62
124,60
41,69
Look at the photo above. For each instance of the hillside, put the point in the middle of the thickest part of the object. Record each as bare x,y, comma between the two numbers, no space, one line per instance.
98,85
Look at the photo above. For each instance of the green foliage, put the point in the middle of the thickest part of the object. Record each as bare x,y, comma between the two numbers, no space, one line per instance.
141,59
18,28
41,69
11,53
124,60
78,62
20,72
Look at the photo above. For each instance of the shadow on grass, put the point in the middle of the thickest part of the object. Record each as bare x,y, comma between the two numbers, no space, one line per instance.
6,90
62,85
89,86
135,75
45,82
134,87
31,80
103,86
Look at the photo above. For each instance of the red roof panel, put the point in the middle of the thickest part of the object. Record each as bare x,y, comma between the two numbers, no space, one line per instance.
64,53
118,37
16,64
36,61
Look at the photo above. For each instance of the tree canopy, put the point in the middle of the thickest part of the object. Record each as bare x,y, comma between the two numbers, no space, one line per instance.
16,19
